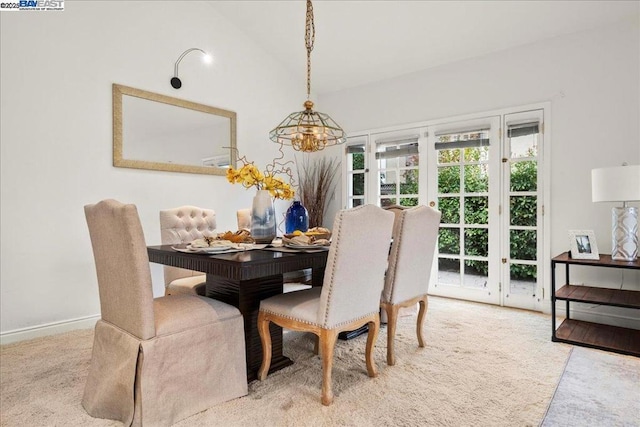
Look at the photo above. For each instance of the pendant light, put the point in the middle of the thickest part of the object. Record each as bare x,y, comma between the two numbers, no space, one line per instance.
308,130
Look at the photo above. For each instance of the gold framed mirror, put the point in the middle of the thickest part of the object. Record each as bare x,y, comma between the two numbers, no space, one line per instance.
159,132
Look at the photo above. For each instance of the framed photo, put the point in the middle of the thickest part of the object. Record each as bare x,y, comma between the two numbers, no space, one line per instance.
583,244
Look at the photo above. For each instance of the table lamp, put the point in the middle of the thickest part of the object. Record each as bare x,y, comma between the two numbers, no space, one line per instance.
620,184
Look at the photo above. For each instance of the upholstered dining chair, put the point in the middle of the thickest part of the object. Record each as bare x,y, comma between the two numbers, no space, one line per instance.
293,280
404,311
410,263
244,219
154,361
349,297
396,209
185,224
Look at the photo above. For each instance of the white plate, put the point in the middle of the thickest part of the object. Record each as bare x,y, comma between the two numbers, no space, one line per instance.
292,246
211,249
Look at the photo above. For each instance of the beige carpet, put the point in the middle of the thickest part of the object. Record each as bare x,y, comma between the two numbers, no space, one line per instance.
483,366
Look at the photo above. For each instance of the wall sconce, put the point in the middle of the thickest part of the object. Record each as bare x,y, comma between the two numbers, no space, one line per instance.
620,184
175,80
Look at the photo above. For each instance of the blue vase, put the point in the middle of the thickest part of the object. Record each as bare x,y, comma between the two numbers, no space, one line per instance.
297,218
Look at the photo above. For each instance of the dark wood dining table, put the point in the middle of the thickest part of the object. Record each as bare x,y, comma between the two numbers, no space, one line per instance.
243,279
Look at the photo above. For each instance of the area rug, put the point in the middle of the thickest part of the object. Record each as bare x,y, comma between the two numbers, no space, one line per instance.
597,389
482,365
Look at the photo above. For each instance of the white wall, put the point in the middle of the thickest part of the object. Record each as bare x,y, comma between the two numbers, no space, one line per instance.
56,76
57,69
592,81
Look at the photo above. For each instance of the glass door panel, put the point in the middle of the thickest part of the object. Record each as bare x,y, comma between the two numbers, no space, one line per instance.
397,164
523,221
355,171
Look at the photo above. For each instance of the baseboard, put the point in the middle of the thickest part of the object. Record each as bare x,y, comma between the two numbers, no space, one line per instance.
53,328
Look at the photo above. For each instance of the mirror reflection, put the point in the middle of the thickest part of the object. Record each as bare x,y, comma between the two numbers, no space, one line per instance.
158,132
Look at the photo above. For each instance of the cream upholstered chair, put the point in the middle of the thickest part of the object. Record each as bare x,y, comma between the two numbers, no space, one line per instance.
183,225
154,361
396,209
410,262
293,280
244,219
349,297
404,311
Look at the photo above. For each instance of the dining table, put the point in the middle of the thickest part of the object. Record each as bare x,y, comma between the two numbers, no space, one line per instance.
243,279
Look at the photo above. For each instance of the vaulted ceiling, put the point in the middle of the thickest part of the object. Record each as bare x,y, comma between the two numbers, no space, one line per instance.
359,42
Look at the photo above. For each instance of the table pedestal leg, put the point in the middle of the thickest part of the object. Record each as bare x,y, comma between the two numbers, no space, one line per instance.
246,296
317,276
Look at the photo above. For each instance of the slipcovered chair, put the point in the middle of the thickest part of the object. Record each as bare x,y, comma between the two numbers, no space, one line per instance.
184,225
293,280
154,361
349,297
410,262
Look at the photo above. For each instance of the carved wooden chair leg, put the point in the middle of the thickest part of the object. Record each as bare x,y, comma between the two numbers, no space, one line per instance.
316,344
328,340
372,336
392,322
423,310
265,339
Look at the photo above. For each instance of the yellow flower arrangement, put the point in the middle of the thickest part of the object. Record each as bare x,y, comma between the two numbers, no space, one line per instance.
250,176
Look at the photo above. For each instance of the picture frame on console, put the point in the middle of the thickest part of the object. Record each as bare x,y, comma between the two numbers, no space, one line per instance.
583,244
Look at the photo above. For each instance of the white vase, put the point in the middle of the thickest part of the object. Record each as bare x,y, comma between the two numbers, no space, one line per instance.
263,218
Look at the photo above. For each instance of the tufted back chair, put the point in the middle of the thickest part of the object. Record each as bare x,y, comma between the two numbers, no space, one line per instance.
183,225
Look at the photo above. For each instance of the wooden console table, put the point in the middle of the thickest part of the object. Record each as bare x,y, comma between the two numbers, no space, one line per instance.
589,334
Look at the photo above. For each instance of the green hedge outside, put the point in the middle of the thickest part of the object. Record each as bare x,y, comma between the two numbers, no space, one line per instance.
523,209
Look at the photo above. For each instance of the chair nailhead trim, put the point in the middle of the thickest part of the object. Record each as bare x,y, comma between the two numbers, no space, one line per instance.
311,323
333,265
289,317
396,253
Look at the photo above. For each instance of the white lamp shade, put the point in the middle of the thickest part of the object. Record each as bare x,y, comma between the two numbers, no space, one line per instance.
617,184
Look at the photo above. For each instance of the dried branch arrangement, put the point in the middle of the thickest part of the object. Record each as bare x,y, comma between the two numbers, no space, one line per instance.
316,183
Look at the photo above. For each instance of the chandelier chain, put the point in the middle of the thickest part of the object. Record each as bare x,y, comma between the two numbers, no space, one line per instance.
309,39
308,131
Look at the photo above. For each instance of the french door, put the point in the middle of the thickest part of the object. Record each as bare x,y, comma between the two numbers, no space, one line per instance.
485,176
464,184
